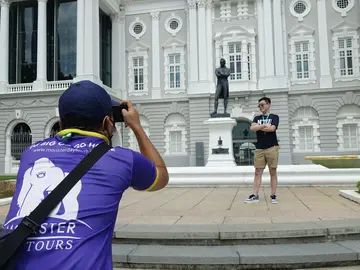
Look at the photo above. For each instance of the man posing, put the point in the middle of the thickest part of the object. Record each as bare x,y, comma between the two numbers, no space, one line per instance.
267,148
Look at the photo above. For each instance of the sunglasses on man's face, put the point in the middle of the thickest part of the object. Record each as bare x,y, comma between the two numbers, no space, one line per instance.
261,105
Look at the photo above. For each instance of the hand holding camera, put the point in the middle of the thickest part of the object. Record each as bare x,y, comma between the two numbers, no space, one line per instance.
130,114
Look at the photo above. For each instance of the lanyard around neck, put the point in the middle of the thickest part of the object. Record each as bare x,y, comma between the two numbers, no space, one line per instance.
267,117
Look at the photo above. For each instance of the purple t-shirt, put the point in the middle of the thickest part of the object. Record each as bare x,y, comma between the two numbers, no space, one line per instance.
78,233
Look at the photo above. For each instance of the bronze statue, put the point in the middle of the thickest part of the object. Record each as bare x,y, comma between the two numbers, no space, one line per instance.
222,88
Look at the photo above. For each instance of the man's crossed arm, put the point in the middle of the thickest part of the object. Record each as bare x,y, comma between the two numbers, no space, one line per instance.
267,127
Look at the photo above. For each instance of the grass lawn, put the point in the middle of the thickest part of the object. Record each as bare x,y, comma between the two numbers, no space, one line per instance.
5,194
8,177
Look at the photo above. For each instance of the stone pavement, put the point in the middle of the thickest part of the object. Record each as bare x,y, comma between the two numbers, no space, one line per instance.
226,206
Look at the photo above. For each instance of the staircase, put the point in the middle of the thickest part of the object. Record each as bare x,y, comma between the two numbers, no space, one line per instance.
255,246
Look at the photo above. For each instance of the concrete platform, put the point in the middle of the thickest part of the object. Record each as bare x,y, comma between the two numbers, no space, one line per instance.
288,175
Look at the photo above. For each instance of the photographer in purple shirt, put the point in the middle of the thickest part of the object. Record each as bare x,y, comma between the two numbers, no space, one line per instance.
78,233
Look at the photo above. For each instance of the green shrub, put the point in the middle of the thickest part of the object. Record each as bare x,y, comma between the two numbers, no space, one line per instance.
8,177
358,186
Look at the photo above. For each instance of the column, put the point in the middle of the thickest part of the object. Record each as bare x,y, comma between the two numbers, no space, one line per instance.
210,42
80,38
203,63
268,36
156,89
4,43
278,39
91,41
118,54
40,84
261,41
193,52
325,75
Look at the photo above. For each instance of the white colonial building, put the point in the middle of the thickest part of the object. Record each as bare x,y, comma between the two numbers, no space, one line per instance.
161,54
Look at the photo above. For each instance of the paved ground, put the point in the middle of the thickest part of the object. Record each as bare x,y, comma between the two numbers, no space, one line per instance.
226,206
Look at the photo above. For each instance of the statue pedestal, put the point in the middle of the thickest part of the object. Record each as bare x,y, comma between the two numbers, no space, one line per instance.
220,127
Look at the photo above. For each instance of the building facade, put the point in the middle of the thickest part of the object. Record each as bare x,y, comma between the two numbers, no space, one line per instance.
161,54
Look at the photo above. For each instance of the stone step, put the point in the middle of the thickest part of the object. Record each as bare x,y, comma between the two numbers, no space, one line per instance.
244,234
284,256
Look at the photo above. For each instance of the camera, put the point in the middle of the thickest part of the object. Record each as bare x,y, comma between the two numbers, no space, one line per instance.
117,112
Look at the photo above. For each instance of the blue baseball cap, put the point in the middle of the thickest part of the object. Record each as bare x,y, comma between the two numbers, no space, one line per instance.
87,99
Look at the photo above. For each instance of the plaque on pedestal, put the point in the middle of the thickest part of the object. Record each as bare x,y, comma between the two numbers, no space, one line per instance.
220,154
220,115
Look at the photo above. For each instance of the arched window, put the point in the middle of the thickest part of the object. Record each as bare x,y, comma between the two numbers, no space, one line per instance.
20,139
243,143
175,134
305,126
54,130
348,124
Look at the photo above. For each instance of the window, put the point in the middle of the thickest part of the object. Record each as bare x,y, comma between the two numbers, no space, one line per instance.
23,21
302,59
300,9
21,139
305,126
174,66
137,28
173,24
237,58
237,46
175,134
302,55
346,56
138,64
235,61
346,52
244,141
175,142
306,138
61,16
348,124
350,136
174,72
343,6
138,69
105,48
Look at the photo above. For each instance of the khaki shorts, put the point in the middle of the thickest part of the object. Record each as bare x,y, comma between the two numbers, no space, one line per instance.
268,156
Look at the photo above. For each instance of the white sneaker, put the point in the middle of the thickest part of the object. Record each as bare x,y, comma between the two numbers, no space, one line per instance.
252,199
273,199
